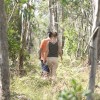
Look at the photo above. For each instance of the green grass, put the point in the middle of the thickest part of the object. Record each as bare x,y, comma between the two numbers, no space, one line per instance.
32,87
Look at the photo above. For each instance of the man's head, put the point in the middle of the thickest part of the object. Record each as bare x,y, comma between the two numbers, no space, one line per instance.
52,34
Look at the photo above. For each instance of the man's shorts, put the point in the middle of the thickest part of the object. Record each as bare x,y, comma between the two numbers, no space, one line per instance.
44,67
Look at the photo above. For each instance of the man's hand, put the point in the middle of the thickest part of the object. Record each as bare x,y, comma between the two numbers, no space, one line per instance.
44,61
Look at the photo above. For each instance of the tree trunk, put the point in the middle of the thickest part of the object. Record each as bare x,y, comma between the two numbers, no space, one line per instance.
93,68
51,15
53,8
56,15
23,46
95,49
4,64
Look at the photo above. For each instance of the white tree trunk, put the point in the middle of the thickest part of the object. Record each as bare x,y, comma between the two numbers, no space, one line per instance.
51,26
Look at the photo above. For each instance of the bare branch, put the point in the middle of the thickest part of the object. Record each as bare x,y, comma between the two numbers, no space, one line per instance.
92,36
12,13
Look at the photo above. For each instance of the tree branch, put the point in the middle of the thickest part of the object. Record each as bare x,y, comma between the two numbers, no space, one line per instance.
12,13
92,36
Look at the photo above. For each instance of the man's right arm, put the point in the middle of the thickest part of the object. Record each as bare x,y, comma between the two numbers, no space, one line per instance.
40,50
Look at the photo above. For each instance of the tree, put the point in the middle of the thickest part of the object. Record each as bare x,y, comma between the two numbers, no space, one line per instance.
4,65
77,16
54,22
25,33
94,46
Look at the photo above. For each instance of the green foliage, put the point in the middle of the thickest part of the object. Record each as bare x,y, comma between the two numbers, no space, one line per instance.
71,40
86,93
14,26
27,11
22,1
41,20
31,87
14,38
14,29
74,93
67,2
14,44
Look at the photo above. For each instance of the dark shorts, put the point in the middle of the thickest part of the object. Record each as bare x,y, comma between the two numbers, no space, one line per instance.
44,67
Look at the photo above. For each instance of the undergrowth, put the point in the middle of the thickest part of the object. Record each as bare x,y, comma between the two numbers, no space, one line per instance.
33,87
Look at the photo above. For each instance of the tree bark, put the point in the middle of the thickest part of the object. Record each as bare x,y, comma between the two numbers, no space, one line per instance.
4,64
51,15
56,15
53,9
93,68
23,46
95,49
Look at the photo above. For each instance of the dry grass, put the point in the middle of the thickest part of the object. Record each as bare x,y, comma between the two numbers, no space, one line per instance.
32,87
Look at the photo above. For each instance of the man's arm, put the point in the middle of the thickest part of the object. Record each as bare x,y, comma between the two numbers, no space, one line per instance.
41,47
47,51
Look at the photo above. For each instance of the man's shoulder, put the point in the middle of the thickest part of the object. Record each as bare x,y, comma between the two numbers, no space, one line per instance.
46,39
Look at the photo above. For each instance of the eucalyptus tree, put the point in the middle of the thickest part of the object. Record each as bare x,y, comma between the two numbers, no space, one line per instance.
4,65
26,10
14,30
77,16
53,9
20,16
54,14
95,46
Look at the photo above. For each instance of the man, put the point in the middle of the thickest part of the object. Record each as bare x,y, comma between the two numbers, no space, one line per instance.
42,55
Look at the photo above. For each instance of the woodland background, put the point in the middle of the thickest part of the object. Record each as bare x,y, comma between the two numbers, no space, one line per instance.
22,28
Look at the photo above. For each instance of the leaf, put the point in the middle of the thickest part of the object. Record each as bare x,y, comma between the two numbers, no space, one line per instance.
74,98
79,88
86,93
73,82
23,1
70,96
63,92
60,98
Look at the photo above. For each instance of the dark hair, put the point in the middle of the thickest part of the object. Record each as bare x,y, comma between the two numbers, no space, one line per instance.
50,34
